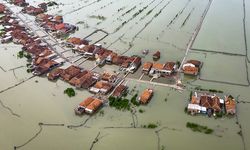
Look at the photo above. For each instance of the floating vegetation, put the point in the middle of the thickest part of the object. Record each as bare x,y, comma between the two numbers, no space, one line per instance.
199,128
99,17
70,92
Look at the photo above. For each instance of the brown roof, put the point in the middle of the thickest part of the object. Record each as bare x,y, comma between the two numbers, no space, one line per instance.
169,66
158,66
147,65
70,72
119,90
157,55
94,105
190,70
194,62
2,8
146,96
74,40
209,102
54,73
107,76
216,103
195,100
104,85
230,105
88,48
87,101
50,63
77,79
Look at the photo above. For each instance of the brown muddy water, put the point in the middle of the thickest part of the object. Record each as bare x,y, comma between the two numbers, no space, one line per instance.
164,25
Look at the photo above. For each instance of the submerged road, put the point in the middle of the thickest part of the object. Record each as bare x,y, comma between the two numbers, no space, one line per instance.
194,35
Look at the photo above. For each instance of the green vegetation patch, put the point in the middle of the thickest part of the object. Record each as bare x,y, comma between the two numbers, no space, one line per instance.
123,103
70,92
150,126
199,128
119,103
22,54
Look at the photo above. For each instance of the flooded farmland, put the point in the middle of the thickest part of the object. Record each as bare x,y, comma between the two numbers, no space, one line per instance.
36,114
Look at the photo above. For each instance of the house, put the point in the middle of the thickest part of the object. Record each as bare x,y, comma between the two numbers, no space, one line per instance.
147,67
109,56
120,90
195,109
89,80
43,17
74,41
135,64
84,79
157,68
146,96
131,64
45,67
79,110
192,67
75,80
21,3
70,72
43,6
111,78
2,8
156,55
64,28
54,74
57,19
89,50
93,106
101,87
211,103
31,10
169,68
230,104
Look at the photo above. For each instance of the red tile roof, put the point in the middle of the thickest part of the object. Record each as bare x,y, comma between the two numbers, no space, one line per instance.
146,96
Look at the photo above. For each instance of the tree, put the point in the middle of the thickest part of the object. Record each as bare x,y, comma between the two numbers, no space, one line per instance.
70,92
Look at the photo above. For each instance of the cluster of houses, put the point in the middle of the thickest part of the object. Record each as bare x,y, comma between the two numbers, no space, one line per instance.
104,56
96,83
55,25
211,104
159,69
21,3
43,59
31,10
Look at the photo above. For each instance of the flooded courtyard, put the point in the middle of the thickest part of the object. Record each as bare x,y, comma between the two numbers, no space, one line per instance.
36,114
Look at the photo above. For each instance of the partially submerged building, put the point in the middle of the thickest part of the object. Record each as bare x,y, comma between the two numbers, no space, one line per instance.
146,96
89,105
192,67
210,104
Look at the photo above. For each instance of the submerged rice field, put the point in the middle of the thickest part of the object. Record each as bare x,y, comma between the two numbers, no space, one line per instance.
37,115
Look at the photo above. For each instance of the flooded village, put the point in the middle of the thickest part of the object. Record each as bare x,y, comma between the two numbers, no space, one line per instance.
95,75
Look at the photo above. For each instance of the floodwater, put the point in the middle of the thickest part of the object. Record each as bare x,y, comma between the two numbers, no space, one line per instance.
164,25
